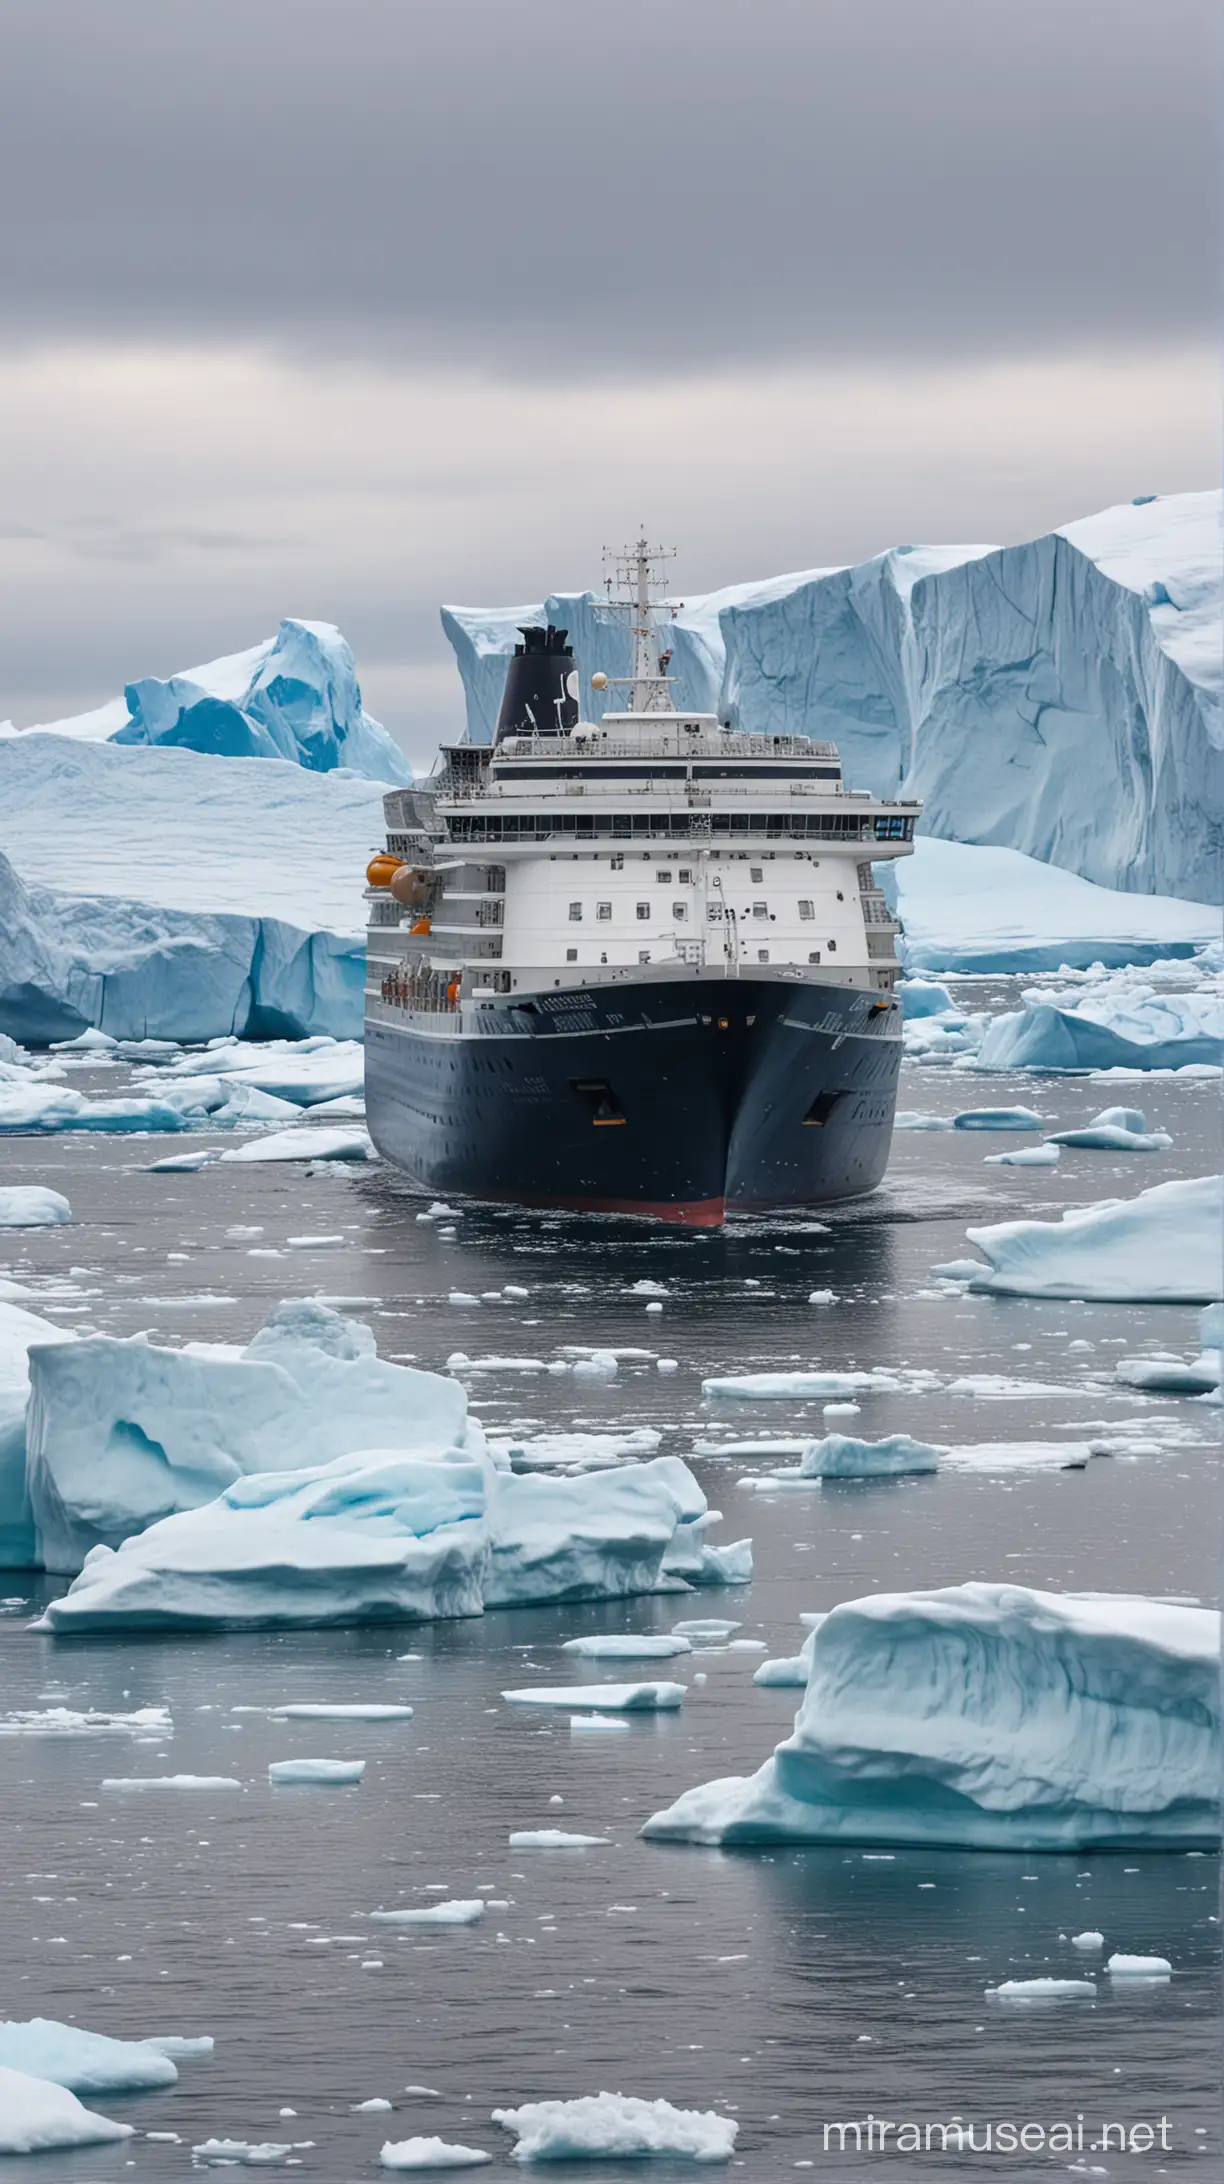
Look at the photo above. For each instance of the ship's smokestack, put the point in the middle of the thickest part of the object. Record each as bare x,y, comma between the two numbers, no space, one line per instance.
541,693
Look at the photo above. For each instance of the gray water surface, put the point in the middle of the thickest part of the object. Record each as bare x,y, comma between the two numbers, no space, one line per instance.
793,1989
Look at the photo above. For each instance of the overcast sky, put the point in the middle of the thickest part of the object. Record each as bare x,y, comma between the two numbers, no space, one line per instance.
342,308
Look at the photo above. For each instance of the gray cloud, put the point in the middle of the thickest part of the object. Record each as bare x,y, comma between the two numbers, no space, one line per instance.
565,190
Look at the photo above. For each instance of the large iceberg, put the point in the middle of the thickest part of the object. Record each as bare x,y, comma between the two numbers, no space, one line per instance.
122,1433
993,1717
295,697
1122,1024
1060,697
158,892
1162,1247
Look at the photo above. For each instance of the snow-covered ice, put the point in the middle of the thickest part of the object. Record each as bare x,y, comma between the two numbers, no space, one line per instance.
1118,1022
1043,1990
988,1716
1089,1940
305,1143
327,1773
628,1646
555,1839
86,2062
1162,1247
342,1710
616,2127
1122,1966
972,908
171,1782
19,1332
454,1911
37,2117
32,1205
431,2153
1026,1156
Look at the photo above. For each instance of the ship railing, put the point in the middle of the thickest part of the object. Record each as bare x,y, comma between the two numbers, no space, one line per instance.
732,744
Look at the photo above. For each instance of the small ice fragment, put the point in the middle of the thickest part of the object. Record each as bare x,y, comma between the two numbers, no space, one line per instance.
1042,1990
179,2047
238,2153
554,1839
431,2153
667,1365
170,1782
462,1296
654,1308
618,1698
617,1646
1089,1939
325,1771
822,1296
597,1721
319,1710
369,2108
456,1911
1121,1966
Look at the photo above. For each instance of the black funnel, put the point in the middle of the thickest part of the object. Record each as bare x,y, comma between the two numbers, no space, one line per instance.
541,693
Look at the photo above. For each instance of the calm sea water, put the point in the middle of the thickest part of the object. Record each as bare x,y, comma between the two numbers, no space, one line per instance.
793,1989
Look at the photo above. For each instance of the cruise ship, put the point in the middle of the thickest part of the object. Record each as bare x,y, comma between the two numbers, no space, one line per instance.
636,965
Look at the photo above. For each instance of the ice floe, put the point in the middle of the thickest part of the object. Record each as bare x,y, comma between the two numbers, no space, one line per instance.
37,2117
454,1911
431,2153
85,2062
1122,1966
618,1698
304,1142
555,1839
326,1773
628,1646
616,2127
171,1782
1026,1156
1162,1247
1115,1130
1043,1990
988,1716
997,1118
1119,1023
840,1456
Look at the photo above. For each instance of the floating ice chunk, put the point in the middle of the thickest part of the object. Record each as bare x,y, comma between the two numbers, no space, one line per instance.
358,1710
230,2153
616,1697
32,1205
616,2127
1116,1026
989,1716
171,1782
787,1387
600,1364
923,997
327,1772
839,1456
788,1672
182,1163
647,1288
1170,1375
462,1296
431,2153
1121,1966
628,1646
182,2048
654,1307
729,1565
1089,1939
596,1721
1115,1130
455,1911
37,2117
1162,1247
704,1628
1043,1990
913,1119
305,1143
91,1041
1026,1156
86,2062
997,1118
376,2107
555,1839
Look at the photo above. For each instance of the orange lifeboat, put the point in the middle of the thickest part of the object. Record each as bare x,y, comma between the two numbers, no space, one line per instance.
382,869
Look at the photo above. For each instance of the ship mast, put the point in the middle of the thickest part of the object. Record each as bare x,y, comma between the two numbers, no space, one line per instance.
634,586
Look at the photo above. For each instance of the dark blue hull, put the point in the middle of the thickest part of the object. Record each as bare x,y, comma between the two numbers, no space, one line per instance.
680,1101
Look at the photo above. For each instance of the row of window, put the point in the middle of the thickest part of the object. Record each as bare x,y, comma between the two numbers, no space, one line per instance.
715,911
762,955
546,826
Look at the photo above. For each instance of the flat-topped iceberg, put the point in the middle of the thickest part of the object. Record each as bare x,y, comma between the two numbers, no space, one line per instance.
1162,1247
840,1456
124,1433
991,1717
295,697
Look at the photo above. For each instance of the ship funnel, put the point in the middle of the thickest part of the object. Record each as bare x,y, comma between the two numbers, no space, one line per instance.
541,693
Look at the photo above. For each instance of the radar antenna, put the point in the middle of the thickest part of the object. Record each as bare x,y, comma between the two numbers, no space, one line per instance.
634,585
